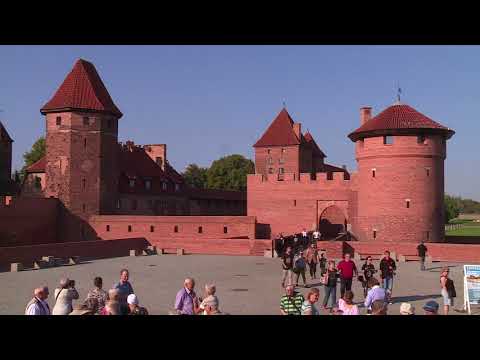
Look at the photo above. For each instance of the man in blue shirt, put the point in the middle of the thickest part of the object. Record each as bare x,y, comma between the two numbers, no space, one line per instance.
375,293
124,289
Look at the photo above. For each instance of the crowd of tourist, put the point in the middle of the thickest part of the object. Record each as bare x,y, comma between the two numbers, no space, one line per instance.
377,294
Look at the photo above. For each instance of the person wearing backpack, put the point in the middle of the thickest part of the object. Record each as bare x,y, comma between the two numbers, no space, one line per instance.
299,268
448,290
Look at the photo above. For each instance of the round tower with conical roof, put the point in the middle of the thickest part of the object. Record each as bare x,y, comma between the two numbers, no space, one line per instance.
400,157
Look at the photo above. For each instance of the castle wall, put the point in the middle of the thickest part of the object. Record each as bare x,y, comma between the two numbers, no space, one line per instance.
295,203
286,157
403,202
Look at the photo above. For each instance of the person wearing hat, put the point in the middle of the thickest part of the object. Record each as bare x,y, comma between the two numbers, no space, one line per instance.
407,309
64,295
431,308
133,307
89,307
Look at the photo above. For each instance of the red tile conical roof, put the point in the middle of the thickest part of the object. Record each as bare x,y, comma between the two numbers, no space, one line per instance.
315,149
82,89
399,118
38,166
280,132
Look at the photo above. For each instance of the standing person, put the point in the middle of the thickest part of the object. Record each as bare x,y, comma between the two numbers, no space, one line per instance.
124,289
299,267
133,306
291,303
448,290
346,305
347,269
368,270
186,302
98,293
407,309
210,290
431,308
313,259
308,306
323,264
211,306
305,237
329,281
64,295
279,245
379,307
316,236
287,266
422,252
376,293
387,268
38,305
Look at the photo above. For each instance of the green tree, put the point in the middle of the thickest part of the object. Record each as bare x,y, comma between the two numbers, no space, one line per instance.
37,151
195,176
230,173
452,208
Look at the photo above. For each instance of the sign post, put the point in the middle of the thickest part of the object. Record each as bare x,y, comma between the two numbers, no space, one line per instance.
471,286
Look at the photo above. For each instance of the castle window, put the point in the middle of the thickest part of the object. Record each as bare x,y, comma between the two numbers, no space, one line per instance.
150,204
225,230
270,161
148,184
84,184
83,207
38,182
281,170
421,139
427,170
294,202
388,140
175,228
108,227
281,161
283,151
374,234
86,121
119,204
129,228
407,203
268,151
59,120
270,170
373,172
200,230
131,183
134,204
164,186
85,143
177,187
329,175
152,228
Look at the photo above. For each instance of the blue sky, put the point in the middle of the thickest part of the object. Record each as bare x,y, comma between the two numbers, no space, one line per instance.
208,101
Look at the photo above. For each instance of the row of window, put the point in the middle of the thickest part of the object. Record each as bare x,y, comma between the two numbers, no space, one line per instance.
86,121
175,229
280,161
148,184
150,203
283,151
280,170
427,172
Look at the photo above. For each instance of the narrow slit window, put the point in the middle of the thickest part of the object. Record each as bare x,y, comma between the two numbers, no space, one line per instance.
428,235
119,204
374,234
59,120
225,230
108,227
85,143
129,228
294,202
83,207
373,172
152,228
427,170
407,203
175,229
200,230
84,184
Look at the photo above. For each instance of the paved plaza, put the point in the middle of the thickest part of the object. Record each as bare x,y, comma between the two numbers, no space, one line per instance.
245,285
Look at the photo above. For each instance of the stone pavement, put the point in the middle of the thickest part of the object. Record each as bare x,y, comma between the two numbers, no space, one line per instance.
245,285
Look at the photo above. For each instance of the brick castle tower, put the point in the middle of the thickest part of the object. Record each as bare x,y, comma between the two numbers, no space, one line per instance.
400,157
82,146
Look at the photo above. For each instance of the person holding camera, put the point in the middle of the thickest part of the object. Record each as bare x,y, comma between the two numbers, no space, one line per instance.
64,296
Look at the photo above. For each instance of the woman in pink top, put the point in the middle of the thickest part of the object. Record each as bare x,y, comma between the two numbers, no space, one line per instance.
346,304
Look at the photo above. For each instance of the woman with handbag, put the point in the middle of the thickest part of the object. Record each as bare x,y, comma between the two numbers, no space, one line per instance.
64,295
329,280
448,290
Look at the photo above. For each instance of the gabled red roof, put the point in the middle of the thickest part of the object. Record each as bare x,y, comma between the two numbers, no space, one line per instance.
402,118
280,132
82,89
4,133
136,162
38,166
315,149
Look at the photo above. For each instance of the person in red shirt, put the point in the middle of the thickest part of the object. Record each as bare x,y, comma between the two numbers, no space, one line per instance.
347,270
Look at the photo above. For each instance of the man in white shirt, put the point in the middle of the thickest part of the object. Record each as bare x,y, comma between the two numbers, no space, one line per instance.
316,235
38,305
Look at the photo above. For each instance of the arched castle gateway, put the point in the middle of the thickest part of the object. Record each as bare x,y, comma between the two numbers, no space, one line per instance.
395,195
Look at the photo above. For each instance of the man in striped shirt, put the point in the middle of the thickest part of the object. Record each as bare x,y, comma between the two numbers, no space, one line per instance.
291,303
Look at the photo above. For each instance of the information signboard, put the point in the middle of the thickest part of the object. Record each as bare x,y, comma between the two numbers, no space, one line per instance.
471,286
